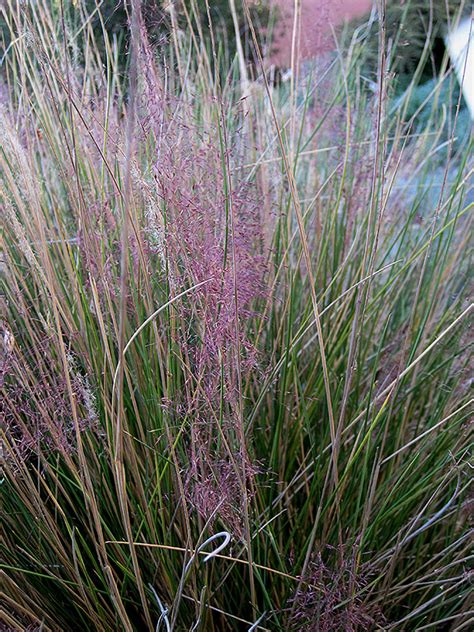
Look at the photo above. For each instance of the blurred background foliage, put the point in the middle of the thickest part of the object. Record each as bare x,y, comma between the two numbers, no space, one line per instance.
112,17
159,16
414,40
414,28
415,31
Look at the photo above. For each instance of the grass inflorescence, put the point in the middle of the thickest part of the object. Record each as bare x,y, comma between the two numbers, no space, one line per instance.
234,353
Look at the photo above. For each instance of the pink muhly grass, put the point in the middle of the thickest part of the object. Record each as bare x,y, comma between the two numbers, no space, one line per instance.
189,230
100,250
329,599
214,487
188,227
195,241
36,406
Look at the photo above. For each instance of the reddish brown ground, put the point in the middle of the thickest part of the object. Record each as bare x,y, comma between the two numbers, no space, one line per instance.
318,18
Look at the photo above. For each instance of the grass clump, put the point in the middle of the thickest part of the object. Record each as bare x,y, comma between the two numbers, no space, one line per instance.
235,341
